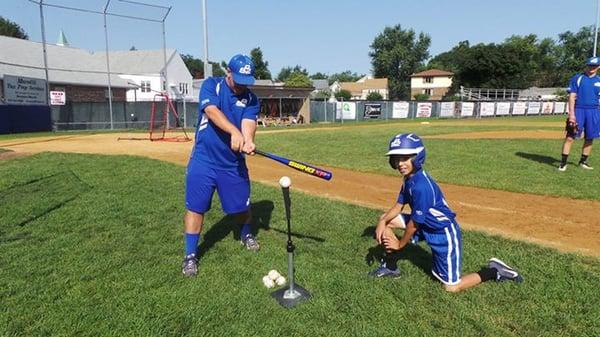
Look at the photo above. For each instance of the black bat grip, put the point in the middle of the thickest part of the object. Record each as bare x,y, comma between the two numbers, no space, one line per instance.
288,204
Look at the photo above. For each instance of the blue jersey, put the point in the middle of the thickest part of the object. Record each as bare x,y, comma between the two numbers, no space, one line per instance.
212,146
587,89
429,208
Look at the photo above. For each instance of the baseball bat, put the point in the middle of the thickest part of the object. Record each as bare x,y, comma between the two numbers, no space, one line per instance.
302,167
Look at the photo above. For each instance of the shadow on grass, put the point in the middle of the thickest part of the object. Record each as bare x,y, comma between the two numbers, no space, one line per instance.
539,158
414,253
261,219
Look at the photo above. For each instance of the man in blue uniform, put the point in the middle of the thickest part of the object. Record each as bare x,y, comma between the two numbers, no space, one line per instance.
227,112
431,220
584,113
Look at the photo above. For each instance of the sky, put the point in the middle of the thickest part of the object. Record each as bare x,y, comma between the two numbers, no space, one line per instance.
320,35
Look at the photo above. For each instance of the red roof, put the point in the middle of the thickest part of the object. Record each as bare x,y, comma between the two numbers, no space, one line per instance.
432,73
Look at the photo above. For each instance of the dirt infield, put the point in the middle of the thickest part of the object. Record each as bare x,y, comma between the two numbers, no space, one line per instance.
549,221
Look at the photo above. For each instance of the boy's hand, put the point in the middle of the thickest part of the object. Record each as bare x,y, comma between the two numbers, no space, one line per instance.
379,231
391,243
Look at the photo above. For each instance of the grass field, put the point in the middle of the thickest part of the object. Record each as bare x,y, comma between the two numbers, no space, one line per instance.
91,246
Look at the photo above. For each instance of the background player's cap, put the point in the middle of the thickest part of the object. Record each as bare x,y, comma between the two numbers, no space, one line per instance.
242,69
593,61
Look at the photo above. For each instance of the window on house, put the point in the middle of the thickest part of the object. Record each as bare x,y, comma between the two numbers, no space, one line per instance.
145,86
428,79
427,92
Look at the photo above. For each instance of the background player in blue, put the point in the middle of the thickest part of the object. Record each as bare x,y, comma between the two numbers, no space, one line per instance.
227,112
584,109
431,220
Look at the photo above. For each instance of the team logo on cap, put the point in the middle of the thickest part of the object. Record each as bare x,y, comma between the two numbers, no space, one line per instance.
247,70
396,142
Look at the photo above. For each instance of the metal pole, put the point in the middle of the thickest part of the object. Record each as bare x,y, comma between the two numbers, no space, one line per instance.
110,106
596,29
165,73
44,51
207,69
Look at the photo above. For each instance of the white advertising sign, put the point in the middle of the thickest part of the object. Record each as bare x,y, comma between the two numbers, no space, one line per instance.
400,110
534,108
547,107
502,108
57,98
447,109
486,108
466,109
424,110
519,108
345,110
24,90
559,107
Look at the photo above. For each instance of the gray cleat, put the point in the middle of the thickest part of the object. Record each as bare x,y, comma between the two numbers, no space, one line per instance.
189,267
505,272
250,243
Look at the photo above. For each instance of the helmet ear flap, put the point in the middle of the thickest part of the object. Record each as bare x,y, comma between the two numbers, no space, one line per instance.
393,160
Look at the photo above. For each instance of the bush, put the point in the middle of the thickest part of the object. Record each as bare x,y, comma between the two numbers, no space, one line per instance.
421,97
374,96
343,94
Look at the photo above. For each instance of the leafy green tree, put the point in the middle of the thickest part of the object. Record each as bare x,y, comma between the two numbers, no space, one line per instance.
572,51
374,96
261,68
343,94
196,66
396,54
319,76
345,76
298,79
9,28
287,71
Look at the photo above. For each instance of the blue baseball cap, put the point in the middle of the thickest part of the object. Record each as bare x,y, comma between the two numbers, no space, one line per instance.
593,61
242,69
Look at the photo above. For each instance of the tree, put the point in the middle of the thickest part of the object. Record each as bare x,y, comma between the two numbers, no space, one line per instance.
261,68
396,54
319,76
345,76
9,28
196,66
343,94
287,71
374,96
298,79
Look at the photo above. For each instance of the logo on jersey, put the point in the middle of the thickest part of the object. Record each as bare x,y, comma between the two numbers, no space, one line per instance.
419,212
246,70
204,101
597,84
241,103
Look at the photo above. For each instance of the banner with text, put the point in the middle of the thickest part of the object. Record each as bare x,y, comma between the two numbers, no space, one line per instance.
372,111
345,110
559,107
547,107
486,109
466,109
519,108
400,109
502,108
533,108
424,110
25,90
447,109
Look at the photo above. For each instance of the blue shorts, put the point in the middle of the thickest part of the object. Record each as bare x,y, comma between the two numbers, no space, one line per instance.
232,186
589,122
446,252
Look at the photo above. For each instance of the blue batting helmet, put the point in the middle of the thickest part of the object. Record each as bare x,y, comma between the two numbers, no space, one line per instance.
408,144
